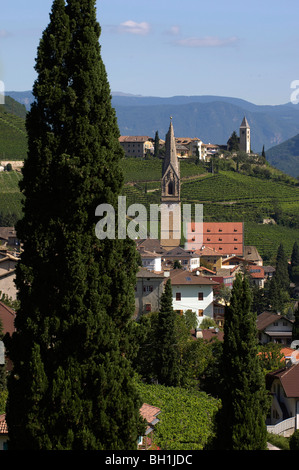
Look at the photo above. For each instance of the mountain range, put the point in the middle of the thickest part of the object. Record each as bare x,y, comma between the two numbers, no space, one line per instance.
210,118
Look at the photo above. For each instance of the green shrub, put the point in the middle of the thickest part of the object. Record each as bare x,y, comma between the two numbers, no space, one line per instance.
294,440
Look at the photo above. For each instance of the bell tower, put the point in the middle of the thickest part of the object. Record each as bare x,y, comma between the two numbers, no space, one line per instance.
170,194
245,136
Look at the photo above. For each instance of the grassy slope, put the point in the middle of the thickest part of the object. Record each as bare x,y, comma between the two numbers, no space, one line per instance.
13,140
10,200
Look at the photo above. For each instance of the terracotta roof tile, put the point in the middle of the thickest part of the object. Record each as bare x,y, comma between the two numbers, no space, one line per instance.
289,378
3,425
180,277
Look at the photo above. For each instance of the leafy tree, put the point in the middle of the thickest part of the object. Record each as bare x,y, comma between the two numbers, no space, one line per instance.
168,351
241,420
146,337
294,440
270,356
177,264
72,384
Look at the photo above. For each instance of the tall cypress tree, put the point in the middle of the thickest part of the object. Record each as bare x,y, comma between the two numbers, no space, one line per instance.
295,329
72,383
241,420
294,266
281,269
167,356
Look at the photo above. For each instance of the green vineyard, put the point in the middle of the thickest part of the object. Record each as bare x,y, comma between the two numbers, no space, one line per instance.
227,196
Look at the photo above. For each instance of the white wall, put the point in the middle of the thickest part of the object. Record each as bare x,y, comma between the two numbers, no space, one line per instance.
189,299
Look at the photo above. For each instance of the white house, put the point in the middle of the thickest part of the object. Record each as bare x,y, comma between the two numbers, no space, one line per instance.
283,385
192,291
151,261
274,328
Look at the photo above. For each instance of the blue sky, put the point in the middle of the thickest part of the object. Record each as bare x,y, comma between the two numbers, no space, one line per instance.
248,50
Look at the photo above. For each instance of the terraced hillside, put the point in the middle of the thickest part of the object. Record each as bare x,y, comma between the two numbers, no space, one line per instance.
13,139
10,196
226,196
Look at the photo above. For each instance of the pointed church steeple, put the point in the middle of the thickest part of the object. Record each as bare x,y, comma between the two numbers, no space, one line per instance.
170,151
170,170
245,136
170,194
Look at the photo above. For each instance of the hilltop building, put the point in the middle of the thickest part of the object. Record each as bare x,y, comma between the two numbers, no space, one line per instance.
244,140
136,145
245,136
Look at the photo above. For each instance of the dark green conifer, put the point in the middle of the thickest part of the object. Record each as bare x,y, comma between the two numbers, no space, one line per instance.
157,145
167,355
72,383
294,266
241,421
295,329
281,269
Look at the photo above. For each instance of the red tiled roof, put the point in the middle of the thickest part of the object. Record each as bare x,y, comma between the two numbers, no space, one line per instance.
267,318
181,277
3,425
7,317
149,412
289,379
133,138
224,237
256,272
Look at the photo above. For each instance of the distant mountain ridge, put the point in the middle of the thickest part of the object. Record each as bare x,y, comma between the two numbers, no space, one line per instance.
210,118
286,155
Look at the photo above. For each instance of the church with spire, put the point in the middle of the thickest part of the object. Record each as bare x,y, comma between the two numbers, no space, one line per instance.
170,194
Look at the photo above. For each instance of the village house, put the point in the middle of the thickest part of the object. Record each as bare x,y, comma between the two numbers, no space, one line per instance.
151,261
210,256
8,238
226,238
274,328
7,274
283,385
189,260
189,147
148,290
192,291
251,254
136,146
149,413
3,433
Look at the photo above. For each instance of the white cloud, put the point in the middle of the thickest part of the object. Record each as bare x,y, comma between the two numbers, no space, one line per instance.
4,33
208,41
174,30
132,27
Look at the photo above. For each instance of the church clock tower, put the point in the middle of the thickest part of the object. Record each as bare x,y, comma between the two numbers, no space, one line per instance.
170,195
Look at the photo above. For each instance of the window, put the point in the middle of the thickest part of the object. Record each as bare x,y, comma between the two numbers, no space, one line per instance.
200,313
178,296
148,288
148,307
200,295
